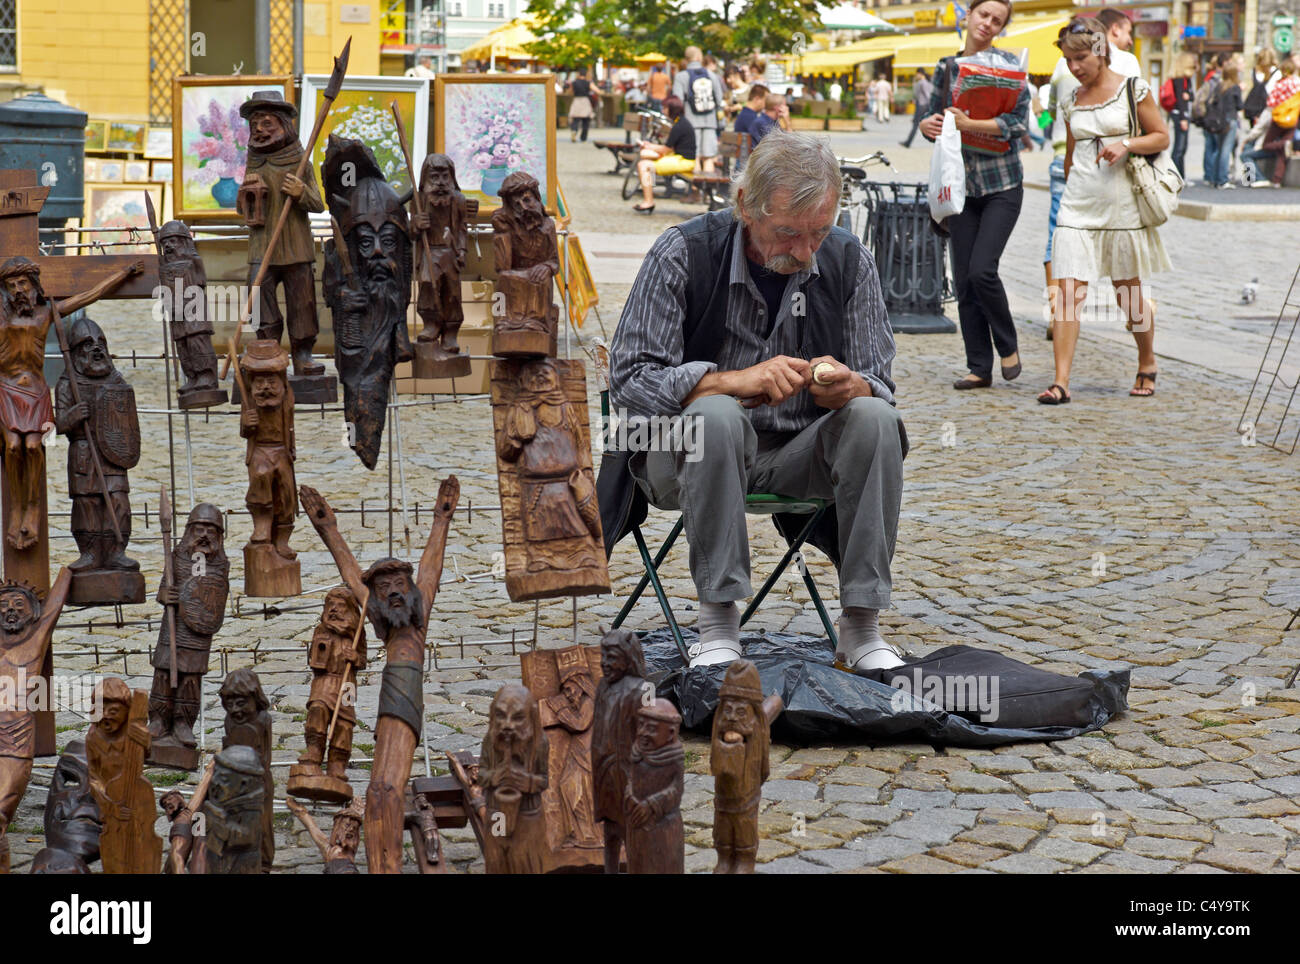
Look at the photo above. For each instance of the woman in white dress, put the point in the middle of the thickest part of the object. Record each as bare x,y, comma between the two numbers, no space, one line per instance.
1099,233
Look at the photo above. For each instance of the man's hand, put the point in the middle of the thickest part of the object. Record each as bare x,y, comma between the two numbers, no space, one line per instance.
292,186
835,388
420,222
76,414
248,419
959,116
771,382
932,126
539,274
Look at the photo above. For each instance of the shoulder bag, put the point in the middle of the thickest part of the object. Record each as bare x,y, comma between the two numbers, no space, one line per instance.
1156,182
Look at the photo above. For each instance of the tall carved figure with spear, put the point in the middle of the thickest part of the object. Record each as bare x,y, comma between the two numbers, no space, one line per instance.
278,192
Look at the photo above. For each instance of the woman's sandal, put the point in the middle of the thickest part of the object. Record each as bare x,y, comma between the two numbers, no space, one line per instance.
1058,397
1138,391
640,210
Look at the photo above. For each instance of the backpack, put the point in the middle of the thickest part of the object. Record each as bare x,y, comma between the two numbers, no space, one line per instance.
1167,96
701,86
1216,119
1257,99
1207,91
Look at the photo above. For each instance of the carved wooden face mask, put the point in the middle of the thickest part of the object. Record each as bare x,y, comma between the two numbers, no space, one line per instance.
72,819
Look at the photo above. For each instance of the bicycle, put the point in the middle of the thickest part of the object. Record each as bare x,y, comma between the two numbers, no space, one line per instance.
858,196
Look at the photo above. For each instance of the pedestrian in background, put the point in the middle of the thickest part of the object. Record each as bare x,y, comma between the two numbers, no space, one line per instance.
1269,160
1181,90
753,107
776,114
1222,118
994,194
675,156
583,105
884,99
1099,232
700,91
922,91
657,87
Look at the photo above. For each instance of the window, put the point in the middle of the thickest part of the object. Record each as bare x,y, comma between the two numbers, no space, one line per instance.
455,8
1225,24
8,34
497,10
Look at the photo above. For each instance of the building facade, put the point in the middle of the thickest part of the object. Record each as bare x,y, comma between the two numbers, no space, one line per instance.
115,59
469,21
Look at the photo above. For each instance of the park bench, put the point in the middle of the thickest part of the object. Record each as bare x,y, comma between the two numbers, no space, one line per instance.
715,188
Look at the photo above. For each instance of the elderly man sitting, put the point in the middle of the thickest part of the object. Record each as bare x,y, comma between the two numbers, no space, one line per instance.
767,325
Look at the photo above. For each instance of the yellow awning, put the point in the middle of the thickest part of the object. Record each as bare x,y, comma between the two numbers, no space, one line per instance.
650,58
504,43
925,50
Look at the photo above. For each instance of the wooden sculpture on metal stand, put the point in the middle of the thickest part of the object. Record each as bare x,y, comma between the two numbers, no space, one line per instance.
367,287
278,168
26,628
278,192
527,261
739,762
339,849
183,290
115,752
186,853
233,814
564,681
194,589
436,802
655,839
513,775
550,521
248,723
271,567
399,601
441,227
622,691
337,652
28,278
95,409
72,817
465,769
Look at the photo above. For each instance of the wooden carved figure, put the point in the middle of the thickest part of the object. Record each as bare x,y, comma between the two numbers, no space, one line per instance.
271,568
115,752
25,410
367,287
248,723
72,818
398,601
440,230
186,853
550,520
622,691
435,802
233,814
741,736
656,842
195,592
269,184
339,849
513,774
96,411
184,285
564,683
527,261
337,653
26,628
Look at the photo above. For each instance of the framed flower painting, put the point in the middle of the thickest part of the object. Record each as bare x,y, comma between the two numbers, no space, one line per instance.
492,125
210,142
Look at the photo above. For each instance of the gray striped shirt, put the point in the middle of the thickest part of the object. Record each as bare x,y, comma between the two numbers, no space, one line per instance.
647,376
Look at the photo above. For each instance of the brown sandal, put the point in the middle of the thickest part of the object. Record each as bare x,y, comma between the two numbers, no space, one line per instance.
1058,397
1137,391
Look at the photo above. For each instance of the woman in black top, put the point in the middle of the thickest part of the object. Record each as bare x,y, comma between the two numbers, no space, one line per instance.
1180,114
583,106
675,156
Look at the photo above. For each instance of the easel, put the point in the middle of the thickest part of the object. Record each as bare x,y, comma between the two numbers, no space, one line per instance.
21,199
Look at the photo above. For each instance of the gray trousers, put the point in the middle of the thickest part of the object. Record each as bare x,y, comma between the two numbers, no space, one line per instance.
853,456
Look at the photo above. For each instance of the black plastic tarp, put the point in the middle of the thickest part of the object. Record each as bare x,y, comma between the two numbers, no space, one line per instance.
823,703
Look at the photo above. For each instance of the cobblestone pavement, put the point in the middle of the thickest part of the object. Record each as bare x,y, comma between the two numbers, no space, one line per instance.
1115,531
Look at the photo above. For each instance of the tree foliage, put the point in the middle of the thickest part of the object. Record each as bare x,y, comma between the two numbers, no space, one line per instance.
618,30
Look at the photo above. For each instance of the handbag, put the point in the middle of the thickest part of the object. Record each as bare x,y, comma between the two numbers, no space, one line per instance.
1156,182
1287,113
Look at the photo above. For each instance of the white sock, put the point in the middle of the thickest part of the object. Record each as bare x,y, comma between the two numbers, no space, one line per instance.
861,645
719,631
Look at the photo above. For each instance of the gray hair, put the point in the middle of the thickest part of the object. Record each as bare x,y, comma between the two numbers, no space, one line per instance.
801,165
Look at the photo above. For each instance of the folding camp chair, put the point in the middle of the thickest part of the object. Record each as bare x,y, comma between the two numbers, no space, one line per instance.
755,504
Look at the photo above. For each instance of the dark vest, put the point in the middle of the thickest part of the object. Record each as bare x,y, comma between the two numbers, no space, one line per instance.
710,239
